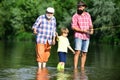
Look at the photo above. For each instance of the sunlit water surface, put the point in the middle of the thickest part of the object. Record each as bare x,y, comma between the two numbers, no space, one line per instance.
17,62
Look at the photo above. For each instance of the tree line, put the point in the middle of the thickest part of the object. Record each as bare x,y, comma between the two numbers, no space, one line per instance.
18,16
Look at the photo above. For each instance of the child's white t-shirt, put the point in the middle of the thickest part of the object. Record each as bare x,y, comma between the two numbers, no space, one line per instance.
63,44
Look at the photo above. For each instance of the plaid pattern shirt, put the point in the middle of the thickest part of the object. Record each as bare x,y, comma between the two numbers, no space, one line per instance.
45,29
83,22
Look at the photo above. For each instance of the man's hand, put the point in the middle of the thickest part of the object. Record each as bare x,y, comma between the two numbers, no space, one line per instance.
34,31
89,31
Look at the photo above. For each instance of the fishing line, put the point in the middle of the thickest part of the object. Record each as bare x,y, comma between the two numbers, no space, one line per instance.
103,28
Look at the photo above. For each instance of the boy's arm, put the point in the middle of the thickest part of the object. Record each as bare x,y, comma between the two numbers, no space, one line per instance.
71,49
53,41
56,36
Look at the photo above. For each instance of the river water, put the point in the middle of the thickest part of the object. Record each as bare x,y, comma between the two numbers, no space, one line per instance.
17,62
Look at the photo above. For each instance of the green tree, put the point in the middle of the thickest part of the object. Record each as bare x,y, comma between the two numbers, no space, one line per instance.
18,16
102,13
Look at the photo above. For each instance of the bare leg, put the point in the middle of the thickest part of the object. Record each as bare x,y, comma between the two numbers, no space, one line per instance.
62,65
44,65
83,59
39,64
76,57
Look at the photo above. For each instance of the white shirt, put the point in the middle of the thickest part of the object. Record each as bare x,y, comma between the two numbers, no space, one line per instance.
63,44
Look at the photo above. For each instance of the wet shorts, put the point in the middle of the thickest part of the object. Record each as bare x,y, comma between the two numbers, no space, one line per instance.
81,45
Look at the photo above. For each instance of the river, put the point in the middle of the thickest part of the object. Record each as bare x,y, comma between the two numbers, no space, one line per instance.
18,62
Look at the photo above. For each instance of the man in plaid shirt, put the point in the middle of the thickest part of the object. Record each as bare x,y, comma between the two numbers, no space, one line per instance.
82,25
44,28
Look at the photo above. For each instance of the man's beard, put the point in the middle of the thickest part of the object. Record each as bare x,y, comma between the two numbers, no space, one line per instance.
79,11
48,17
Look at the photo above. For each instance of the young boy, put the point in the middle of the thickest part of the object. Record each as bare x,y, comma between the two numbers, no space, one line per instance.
63,45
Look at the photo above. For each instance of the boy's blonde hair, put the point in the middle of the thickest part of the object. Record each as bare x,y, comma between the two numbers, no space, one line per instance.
64,30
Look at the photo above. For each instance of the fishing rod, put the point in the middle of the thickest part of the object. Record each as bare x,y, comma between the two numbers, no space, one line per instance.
105,28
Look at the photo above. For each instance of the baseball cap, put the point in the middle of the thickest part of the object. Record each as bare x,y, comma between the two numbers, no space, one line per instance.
50,10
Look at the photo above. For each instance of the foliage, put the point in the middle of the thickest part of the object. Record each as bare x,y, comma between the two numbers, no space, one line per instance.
18,16
102,12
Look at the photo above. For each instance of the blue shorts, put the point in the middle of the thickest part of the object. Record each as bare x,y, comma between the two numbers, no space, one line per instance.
81,45
62,56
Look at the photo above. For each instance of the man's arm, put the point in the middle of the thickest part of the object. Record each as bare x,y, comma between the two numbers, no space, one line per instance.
79,30
36,24
91,31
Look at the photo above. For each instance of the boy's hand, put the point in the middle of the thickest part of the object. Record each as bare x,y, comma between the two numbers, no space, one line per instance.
56,34
53,42
73,52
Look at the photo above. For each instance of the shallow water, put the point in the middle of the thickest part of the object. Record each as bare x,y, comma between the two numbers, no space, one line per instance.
17,62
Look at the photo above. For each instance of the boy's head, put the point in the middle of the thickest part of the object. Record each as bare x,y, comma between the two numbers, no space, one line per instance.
64,30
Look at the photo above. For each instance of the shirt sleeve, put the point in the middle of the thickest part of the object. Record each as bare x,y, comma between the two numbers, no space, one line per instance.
54,27
37,22
74,21
90,20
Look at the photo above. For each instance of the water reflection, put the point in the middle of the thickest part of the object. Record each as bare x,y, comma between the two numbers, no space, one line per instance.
18,74
42,74
61,75
80,75
18,62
